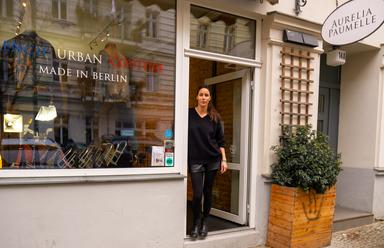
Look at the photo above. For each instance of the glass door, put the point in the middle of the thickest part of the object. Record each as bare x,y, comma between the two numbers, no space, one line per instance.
231,95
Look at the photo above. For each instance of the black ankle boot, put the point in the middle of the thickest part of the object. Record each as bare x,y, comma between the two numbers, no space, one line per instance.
195,231
203,229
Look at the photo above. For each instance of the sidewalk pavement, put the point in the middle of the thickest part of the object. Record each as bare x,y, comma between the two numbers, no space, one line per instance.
368,236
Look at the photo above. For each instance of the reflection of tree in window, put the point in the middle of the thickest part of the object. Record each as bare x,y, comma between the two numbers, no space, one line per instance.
152,78
229,38
202,36
6,8
59,9
151,24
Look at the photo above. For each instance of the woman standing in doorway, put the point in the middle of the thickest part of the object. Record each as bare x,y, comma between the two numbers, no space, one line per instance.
206,155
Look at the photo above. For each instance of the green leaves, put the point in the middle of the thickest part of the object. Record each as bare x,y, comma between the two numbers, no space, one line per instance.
305,160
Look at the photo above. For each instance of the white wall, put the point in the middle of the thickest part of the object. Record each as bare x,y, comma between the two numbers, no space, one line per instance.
359,129
359,92
272,44
378,202
98,215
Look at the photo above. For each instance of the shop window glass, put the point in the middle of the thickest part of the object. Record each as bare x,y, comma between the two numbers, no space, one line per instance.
6,8
152,78
91,7
220,32
151,27
229,38
202,35
59,9
85,93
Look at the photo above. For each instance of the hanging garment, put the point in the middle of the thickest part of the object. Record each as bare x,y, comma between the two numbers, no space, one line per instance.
21,60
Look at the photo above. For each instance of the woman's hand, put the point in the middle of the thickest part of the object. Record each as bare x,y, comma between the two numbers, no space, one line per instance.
224,166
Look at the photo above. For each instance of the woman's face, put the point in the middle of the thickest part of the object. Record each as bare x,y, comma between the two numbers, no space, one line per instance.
203,97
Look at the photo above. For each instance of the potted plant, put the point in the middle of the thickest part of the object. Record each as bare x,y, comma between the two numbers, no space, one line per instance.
303,192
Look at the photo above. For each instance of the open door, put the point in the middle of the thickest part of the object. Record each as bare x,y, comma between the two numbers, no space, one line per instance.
231,95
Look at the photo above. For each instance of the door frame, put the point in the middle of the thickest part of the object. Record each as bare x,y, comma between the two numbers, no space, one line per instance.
242,167
255,188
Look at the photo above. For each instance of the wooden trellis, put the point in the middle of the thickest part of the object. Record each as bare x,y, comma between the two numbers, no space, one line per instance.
295,87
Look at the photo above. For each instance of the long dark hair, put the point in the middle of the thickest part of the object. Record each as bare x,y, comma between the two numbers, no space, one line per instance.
212,112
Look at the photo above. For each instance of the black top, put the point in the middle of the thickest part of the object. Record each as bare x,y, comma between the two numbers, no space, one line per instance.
205,137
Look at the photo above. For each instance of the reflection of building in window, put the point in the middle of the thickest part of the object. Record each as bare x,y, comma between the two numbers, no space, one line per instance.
6,8
220,32
87,84
151,24
61,129
125,24
152,78
91,7
146,127
59,9
84,112
229,38
90,129
202,36
123,20
124,128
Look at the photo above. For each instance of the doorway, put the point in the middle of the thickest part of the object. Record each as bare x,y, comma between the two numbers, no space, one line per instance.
329,102
230,86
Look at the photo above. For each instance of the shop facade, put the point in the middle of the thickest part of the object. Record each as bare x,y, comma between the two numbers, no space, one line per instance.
94,110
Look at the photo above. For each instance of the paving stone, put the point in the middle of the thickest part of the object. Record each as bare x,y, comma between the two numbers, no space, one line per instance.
368,236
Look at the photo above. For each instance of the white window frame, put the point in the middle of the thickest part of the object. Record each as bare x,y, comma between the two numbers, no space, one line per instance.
59,10
255,154
180,136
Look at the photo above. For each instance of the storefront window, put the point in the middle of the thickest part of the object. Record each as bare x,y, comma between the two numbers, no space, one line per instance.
219,32
87,92
59,9
151,30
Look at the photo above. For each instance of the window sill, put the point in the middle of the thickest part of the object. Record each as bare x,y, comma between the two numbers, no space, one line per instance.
62,22
150,38
267,177
88,179
379,171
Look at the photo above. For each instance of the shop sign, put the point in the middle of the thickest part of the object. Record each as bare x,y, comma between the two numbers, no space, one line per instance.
353,21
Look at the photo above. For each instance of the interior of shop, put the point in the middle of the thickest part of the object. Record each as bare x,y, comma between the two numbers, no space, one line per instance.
226,97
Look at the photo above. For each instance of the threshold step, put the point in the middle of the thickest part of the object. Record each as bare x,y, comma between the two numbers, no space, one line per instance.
346,218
